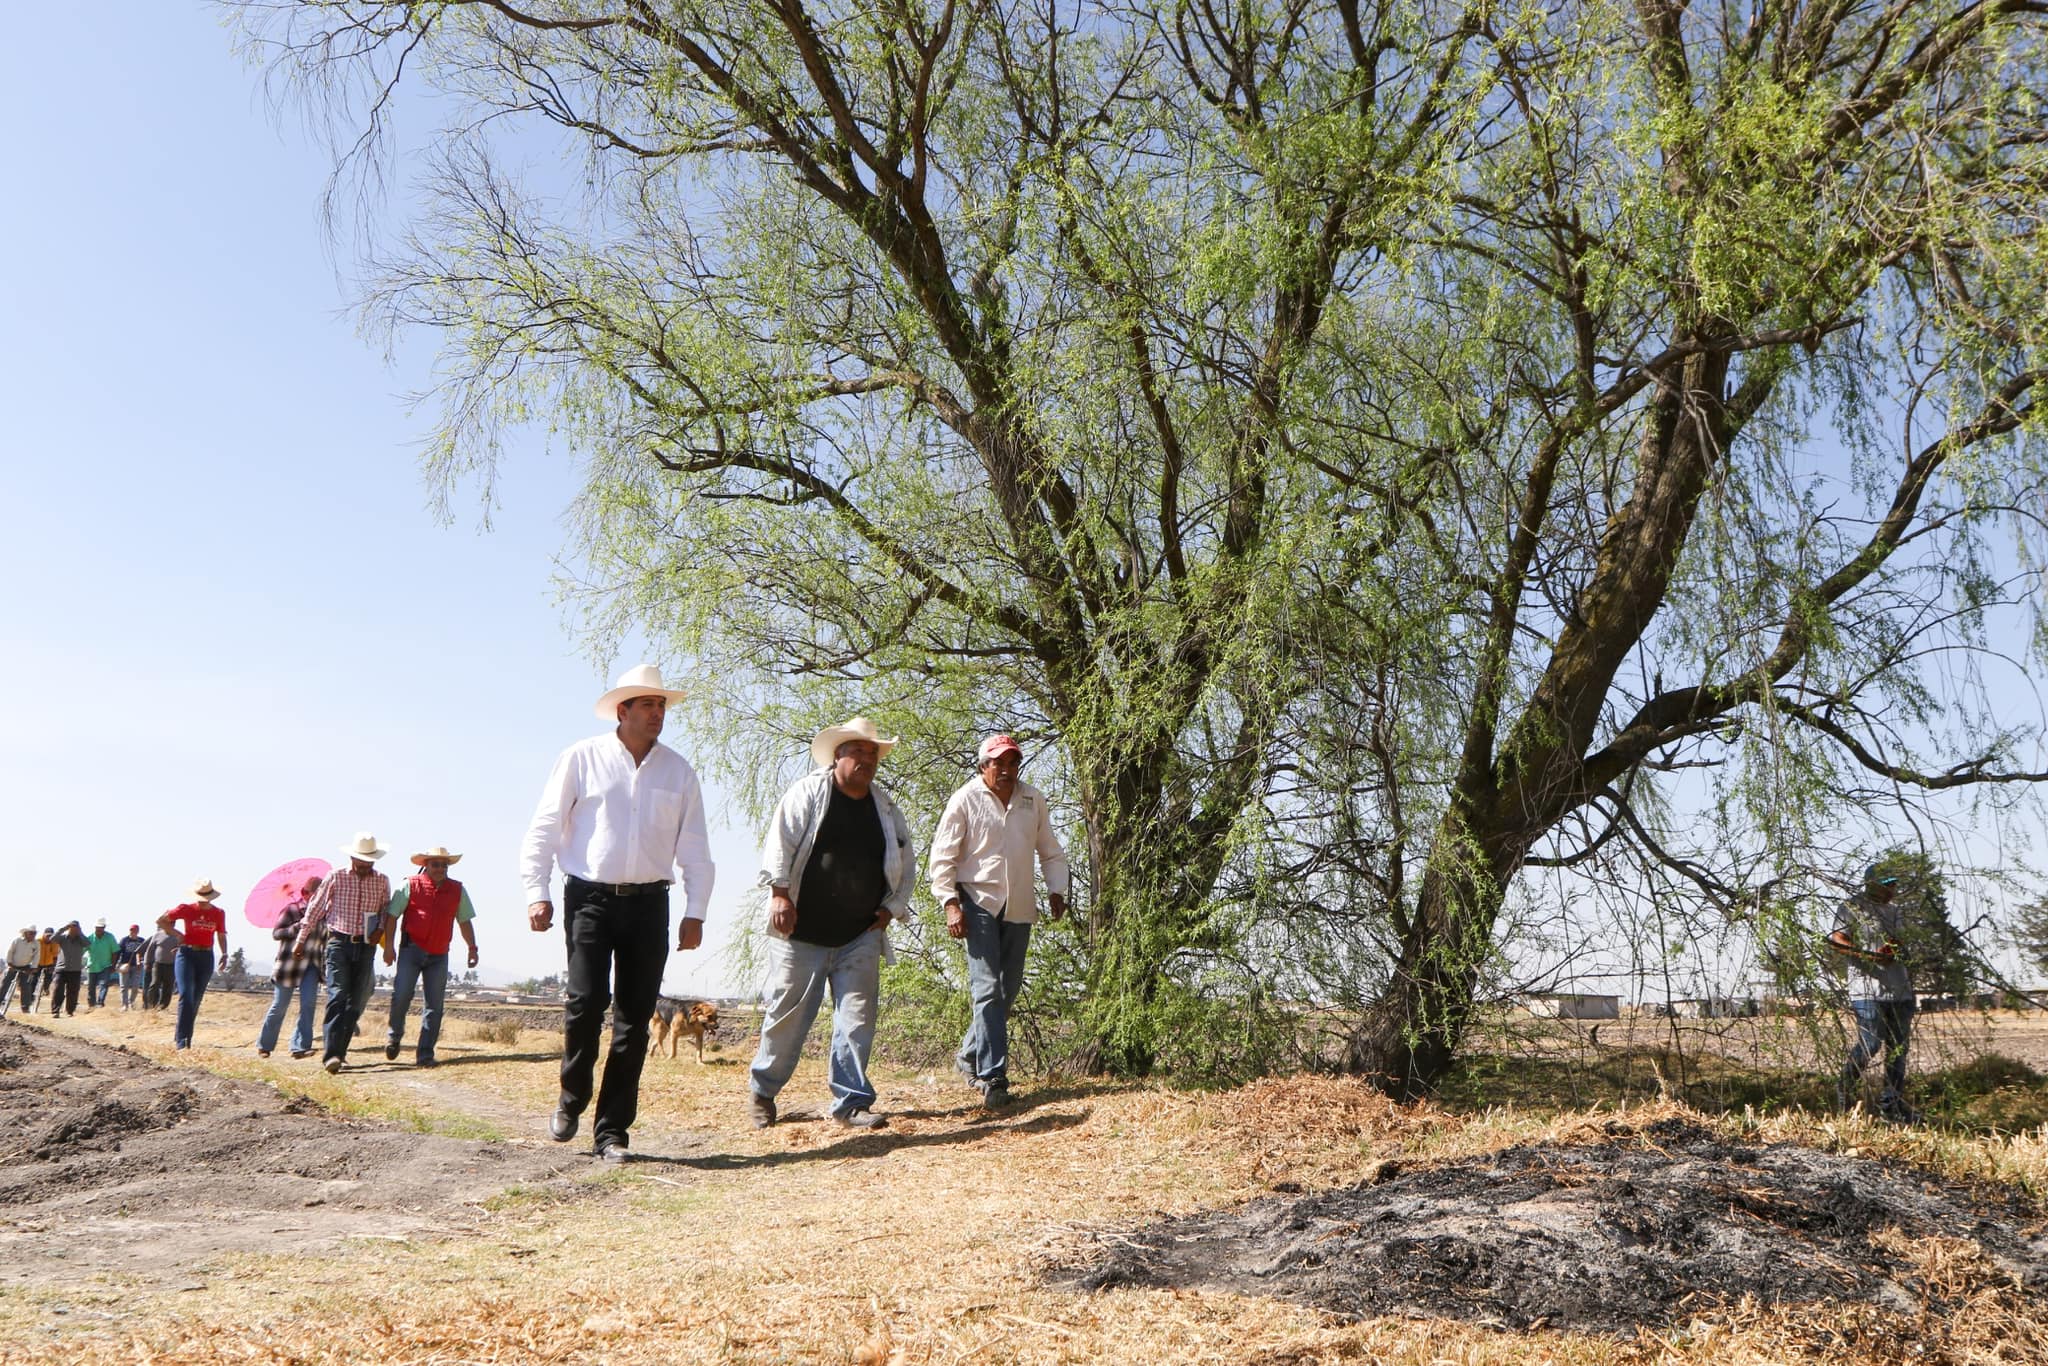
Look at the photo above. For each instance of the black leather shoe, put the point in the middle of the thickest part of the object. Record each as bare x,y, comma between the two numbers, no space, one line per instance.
562,1127
391,1052
612,1150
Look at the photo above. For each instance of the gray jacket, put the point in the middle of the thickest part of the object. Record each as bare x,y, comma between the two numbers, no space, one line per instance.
787,849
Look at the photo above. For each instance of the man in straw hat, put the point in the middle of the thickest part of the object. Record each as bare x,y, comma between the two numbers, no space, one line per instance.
100,948
425,913
981,872
619,814
1869,930
351,904
838,867
24,957
201,926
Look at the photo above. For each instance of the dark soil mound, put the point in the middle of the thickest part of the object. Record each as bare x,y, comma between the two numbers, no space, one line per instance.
1640,1231
113,1165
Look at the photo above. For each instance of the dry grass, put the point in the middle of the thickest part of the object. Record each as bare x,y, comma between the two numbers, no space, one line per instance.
922,1244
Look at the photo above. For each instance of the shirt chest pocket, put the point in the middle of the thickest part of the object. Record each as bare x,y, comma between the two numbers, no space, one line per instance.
663,809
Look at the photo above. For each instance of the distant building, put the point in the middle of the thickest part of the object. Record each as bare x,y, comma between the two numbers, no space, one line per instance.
1574,1005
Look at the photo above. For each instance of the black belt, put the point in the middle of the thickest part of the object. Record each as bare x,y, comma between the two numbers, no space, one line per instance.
354,938
619,888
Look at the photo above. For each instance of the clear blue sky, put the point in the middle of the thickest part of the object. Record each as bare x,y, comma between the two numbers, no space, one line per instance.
233,633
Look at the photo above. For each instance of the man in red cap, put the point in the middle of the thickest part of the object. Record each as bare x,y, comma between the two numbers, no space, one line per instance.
981,872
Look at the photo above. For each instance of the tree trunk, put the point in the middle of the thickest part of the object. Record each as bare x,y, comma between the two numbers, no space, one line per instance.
1406,1041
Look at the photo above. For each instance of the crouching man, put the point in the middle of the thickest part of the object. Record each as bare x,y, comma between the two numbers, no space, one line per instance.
838,867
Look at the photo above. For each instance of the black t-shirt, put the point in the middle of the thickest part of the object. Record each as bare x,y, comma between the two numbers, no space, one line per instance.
843,886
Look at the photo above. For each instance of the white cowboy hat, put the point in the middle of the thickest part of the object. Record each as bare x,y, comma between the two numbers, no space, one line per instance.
203,890
365,848
831,738
438,851
642,680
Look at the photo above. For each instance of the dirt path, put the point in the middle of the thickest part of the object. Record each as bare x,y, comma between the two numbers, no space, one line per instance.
113,1164
1636,1232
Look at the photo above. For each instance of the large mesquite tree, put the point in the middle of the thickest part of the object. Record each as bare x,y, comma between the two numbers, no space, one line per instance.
1369,447
957,357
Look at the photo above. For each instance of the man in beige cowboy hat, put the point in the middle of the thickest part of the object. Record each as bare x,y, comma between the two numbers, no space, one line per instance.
201,926
424,915
351,904
621,812
838,867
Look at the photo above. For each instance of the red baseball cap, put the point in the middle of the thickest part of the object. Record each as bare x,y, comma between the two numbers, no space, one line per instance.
995,747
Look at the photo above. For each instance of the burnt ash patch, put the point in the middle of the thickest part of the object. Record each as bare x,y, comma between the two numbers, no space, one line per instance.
1647,1229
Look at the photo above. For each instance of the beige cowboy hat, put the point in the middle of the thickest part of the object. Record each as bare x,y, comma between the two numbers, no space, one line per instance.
642,680
365,848
831,738
438,851
203,890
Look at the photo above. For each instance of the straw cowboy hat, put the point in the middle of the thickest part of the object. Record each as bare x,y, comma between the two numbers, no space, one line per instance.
365,848
831,738
203,890
642,680
438,851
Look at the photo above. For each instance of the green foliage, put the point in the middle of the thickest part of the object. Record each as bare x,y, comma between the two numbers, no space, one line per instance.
1364,452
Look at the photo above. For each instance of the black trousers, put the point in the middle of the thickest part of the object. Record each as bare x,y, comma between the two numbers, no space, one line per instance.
64,994
157,986
618,946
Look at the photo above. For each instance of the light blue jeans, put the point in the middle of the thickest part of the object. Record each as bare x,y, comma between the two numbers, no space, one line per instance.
798,974
995,974
415,966
308,991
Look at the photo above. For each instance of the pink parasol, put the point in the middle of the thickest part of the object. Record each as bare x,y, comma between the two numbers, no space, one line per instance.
280,887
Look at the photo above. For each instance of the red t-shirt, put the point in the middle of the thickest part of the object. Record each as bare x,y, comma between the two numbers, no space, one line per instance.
203,921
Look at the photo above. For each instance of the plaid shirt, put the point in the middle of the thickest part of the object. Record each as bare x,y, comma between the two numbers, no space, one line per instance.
346,903
291,968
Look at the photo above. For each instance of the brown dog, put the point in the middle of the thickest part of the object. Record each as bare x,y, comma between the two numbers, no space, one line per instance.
674,1018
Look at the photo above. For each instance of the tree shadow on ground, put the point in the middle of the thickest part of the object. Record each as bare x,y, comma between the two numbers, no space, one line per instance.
870,1143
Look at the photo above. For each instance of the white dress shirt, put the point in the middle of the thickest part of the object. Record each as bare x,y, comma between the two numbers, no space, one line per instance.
604,818
985,849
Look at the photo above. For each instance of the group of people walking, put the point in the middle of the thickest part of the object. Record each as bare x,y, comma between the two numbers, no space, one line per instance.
622,814
48,971
332,931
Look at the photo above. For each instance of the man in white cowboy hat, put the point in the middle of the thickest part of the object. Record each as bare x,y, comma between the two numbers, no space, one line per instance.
981,872
838,868
351,904
425,914
620,813
201,926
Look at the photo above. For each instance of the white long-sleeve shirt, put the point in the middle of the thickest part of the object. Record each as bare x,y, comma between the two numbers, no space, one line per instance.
985,849
603,818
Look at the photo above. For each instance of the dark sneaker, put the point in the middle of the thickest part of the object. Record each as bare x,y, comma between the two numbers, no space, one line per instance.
761,1111
302,1052
995,1094
391,1052
425,1062
562,1127
612,1150
862,1119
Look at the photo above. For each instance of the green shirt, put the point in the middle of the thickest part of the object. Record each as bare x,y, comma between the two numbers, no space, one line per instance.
100,951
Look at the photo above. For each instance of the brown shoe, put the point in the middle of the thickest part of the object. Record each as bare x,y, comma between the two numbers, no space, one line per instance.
761,1111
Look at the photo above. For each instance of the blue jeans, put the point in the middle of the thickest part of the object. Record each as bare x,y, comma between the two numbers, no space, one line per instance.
131,985
97,985
995,974
1882,1027
415,965
194,970
307,990
351,976
798,974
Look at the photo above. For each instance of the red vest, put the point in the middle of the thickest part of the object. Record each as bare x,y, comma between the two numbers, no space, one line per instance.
430,912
